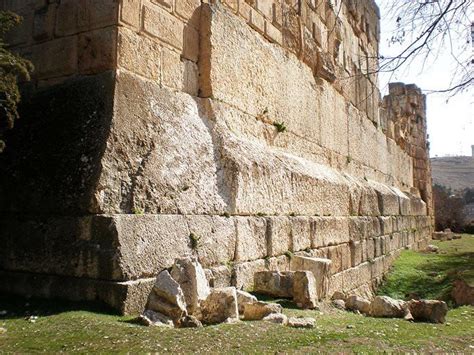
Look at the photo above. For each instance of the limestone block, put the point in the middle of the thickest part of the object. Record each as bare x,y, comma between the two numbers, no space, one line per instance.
274,283
278,236
361,228
216,238
389,201
356,253
304,290
97,51
191,44
363,198
64,52
335,285
155,319
300,233
433,311
160,24
131,47
71,17
330,231
220,306
138,175
356,276
251,238
340,256
307,323
319,267
384,306
260,310
243,274
278,318
190,276
356,303
377,267
244,298
189,10
102,13
387,226
130,12
167,297
278,263
44,21
219,276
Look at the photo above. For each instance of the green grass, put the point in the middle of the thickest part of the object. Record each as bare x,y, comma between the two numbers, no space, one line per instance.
69,327
431,275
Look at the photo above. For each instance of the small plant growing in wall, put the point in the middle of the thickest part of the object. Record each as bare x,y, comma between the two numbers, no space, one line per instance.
349,159
138,211
280,126
289,254
261,214
194,240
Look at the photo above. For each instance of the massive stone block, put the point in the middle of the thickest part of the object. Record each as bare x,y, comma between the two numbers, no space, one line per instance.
152,131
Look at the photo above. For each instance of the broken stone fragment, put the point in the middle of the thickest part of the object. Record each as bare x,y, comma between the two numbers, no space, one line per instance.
219,306
384,306
301,322
339,304
432,248
259,310
244,298
155,319
304,290
191,277
189,322
433,311
356,303
274,283
277,318
167,297
320,268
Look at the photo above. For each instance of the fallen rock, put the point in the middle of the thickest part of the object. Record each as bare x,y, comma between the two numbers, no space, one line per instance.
219,306
150,318
274,283
301,322
278,318
321,269
356,303
304,290
433,311
191,277
244,298
259,310
384,306
432,248
189,322
462,293
167,297
339,296
339,304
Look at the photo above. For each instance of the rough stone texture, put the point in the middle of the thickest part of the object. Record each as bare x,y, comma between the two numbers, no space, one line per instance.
146,131
274,283
260,310
384,306
190,276
433,311
301,322
220,306
167,297
356,303
463,293
320,269
304,290
244,298
151,318
278,318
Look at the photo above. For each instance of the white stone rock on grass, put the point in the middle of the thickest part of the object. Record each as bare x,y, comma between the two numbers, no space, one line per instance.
167,297
155,319
356,303
304,290
384,306
277,318
295,322
259,310
244,298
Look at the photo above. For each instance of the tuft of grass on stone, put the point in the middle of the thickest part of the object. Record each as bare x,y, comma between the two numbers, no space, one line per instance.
195,241
280,126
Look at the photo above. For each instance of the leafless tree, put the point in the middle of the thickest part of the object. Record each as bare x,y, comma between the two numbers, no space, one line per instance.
426,28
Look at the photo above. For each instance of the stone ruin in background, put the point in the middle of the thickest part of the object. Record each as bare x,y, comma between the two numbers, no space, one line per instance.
248,133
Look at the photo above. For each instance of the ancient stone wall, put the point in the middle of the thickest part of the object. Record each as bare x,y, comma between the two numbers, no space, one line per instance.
245,132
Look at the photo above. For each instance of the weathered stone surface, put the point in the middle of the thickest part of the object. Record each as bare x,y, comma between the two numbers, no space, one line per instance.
339,304
432,248
151,318
319,267
189,321
167,297
433,311
220,306
463,293
384,306
304,290
356,303
274,283
251,238
259,310
278,318
244,298
295,322
189,274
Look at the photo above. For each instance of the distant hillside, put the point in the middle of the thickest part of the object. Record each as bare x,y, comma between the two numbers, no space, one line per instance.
454,172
